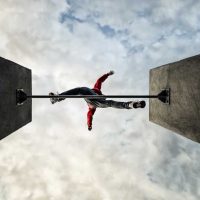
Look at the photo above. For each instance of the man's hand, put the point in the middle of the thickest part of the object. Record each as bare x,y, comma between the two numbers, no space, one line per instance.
111,72
89,128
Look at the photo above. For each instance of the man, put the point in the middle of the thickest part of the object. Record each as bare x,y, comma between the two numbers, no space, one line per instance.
97,103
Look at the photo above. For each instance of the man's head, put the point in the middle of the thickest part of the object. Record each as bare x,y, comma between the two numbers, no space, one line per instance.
90,106
89,128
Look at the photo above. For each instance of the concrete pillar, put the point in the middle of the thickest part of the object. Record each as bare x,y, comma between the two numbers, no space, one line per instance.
183,114
12,116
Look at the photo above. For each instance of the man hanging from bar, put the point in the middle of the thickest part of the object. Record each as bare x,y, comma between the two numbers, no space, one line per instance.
98,102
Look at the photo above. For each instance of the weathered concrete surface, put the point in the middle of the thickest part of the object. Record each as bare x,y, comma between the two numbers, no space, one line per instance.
183,114
12,77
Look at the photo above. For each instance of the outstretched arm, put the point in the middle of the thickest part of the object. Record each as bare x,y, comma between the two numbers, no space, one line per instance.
102,79
90,117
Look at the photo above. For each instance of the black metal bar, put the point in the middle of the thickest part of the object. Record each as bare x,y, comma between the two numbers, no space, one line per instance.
163,96
93,96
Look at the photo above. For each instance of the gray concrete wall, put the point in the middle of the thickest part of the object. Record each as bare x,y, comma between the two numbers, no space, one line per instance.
12,77
183,114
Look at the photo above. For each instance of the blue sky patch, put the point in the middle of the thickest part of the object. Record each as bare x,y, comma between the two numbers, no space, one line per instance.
70,17
107,30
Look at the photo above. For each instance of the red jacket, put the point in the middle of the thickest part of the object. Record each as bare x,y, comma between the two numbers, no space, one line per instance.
97,89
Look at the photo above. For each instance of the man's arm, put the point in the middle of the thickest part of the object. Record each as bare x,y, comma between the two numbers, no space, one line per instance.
102,79
90,117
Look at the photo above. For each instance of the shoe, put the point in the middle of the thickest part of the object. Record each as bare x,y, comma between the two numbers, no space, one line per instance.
137,104
53,99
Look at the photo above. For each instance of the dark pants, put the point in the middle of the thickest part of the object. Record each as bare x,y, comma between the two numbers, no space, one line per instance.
98,103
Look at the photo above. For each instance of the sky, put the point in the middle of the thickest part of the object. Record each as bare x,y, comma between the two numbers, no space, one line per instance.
69,44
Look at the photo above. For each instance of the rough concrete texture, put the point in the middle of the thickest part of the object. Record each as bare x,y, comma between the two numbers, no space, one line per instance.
12,77
183,113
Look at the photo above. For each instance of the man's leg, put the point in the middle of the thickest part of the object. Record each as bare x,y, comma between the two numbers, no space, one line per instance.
78,91
74,91
102,103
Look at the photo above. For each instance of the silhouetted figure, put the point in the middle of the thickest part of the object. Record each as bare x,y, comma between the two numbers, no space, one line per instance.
97,103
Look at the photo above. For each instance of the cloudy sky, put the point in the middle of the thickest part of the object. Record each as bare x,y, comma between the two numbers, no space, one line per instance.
69,44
